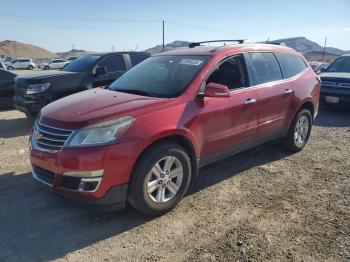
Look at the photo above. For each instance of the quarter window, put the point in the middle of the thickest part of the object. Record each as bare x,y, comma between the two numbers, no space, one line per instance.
113,63
265,67
291,64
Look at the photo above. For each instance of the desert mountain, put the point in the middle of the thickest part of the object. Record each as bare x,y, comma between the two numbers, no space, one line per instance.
73,52
16,49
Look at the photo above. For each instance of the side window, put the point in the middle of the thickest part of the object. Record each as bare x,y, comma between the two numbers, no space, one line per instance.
137,58
265,67
231,73
291,64
113,63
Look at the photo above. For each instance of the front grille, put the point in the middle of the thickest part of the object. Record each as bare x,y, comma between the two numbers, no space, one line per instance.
50,138
344,85
70,182
43,175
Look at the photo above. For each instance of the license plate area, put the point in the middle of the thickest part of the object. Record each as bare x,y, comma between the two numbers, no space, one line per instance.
332,99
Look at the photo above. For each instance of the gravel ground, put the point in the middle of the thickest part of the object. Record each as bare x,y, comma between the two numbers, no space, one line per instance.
260,205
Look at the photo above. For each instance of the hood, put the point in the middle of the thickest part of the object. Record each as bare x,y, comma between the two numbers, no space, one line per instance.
44,75
55,78
97,105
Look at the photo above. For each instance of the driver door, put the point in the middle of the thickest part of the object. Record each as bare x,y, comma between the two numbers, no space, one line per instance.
115,67
228,123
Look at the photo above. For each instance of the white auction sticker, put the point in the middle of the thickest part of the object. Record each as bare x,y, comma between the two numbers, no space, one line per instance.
190,62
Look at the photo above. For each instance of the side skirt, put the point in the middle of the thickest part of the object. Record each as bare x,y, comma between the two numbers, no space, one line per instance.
206,160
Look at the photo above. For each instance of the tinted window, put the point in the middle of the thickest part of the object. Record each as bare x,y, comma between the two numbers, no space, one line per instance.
230,73
113,63
160,76
341,64
24,60
265,67
137,58
82,64
291,64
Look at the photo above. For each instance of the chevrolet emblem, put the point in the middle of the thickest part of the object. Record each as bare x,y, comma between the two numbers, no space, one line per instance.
37,135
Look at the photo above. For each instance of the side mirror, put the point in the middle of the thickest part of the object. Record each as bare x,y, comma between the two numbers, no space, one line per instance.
99,71
216,90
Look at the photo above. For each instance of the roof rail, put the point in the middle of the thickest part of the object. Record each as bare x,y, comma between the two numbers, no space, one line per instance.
276,43
194,44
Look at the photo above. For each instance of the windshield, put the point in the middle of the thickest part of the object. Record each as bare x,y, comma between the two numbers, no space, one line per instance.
160,76
341,64
82,64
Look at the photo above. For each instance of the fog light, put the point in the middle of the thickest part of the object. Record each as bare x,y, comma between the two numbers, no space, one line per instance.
89,184
85,174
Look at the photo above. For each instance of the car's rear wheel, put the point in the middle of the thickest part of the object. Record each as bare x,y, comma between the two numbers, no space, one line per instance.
10,68
160,179
299,131
30,67
46,68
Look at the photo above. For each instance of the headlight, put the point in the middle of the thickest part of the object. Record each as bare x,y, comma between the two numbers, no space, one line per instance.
100,134
36,89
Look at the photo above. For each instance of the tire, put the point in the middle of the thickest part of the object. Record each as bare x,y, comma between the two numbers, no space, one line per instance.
30,67
144,175
10,68
46,68
296,142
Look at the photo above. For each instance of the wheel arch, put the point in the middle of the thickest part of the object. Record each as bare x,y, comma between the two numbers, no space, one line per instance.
307,105
179,139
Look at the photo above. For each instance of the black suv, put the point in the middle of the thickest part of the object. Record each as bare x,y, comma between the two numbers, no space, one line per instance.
32,92
335,88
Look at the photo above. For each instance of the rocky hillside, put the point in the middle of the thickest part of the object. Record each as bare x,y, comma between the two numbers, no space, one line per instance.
16,49
167,47
73,52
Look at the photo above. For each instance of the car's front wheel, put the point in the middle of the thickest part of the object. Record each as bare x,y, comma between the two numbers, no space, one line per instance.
160,179
10,68
46,68
30,67
299,131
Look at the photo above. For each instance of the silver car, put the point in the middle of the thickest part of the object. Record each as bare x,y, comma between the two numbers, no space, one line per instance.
21,63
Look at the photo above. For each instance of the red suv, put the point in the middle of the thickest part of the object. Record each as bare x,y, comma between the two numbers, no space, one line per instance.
144,137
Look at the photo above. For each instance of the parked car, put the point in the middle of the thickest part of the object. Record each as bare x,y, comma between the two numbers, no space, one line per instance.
143,139
2,65
319,66
71,58
7,85
96,70
335,89
54,64
21,63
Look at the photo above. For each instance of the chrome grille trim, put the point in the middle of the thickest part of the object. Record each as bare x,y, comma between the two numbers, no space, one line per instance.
51,138
335,84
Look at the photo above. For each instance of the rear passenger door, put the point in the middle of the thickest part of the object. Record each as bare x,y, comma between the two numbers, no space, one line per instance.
273,101
115,67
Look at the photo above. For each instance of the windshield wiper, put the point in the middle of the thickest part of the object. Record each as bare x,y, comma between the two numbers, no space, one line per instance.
136,92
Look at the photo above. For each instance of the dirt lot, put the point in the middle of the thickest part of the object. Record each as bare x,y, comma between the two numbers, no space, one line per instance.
260,205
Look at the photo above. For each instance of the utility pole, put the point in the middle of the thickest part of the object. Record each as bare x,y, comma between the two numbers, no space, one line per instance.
324,48
113,48
163,34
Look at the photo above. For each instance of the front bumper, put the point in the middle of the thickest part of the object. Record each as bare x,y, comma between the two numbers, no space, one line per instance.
342,94
30,105
116,161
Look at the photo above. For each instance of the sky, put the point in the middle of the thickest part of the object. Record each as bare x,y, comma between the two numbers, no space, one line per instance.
104,25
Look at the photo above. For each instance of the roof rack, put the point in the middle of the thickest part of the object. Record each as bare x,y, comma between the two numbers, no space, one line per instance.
276,43
194,44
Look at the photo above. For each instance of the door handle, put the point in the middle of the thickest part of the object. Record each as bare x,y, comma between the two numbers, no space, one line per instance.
250,101
288,91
